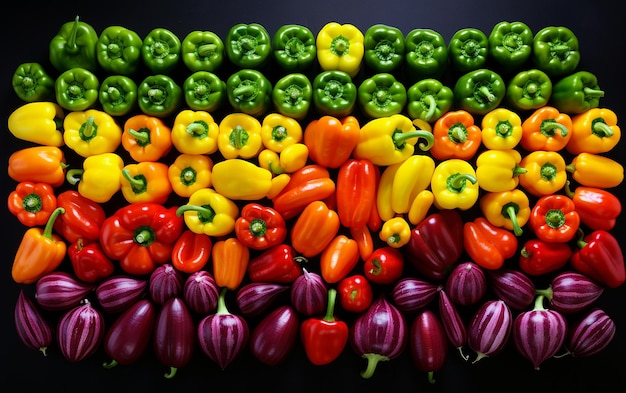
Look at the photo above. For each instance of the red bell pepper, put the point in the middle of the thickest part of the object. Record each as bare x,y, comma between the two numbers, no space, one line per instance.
89,262
600,257
141,236
488,245
191,251
260,227
384,266
278,264
83,217
355,293
554,218
32,203
596,207
331,140
538,257
356,192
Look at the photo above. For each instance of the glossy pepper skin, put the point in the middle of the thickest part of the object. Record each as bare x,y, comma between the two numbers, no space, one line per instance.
501,129
384,48
529,89
395,232
189,173
159,96
249,91
195,132
240,179
426,54
456,136
382,95
428,99
594,131
595,170
202,50
91,132
191,252
334,93
118,50
314,229
74,45
89,263
210,213
145,181
38,122
278,264
118,95
545,172
488,245
278,132
230,259
77,89
32,203
82,218
554,218
338,258
546,128
331,140
499,170
160,50
556,50
479,91
42,164
454,185
260,227
292,96
340,47
100,177
294,49
468,49
248,45
384,266
510,44
576,93
355,192
204,90
239,136
597,208
31,82
599,256
506,209
146,137
538,257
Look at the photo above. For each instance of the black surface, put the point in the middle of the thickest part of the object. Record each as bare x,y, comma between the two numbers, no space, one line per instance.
26,31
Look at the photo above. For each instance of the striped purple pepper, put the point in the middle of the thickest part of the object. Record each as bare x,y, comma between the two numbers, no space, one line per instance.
379,334
590,334
489,329
32,328
428,343
513,286
60,291
466,284
165,282
453,324
115,294
571,292
538,334
273,339
174,335
309,294
254,298
200,292
80,331
412,294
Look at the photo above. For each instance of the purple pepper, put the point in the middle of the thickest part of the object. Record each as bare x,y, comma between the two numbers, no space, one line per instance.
309,294
80,332
571,292
453,324
590,334
174,335
428,343
466,284
256,297
165,282
490,328
275,336
412,294
32,328
115,294
513,286
60,291
200,292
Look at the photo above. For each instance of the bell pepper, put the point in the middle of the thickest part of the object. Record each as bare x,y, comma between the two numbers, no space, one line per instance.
338,259
74,45
597,208
501,129
146,138
209,213
331,140
146,181
401,183
248,45
594,131
510,44
506,209
292,96
118,95
202,50
159,96
31,82
118,50
191,252
395,232
545,172
538,257
479,91
454,185
356,192
314,229
204,91
250,92
230,260
428,99
576,93
39,122
547,129
239,136
599,256
294,48
488,245
240,179
260,227
82,218
389,140
382,95
32,203
426,54
554,218
140,236
499,170
160,50
189,173
595,170
91,132
39,164
278,264
436,244
456,136
280,131
100,177
194,132
529,89
384,48
334,93
291,159
468,50
384,266
89,262
40,252
77,89
340,47
556,51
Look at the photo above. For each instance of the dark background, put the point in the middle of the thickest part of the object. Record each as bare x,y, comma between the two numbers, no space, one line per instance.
26,33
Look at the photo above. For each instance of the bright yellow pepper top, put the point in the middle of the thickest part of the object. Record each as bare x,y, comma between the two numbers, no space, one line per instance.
396,232
240,179
101,177
289,160
545,172
189,173
195,132
499,170
454,185
239,136
279,131
506,209
501,129
209,212
91,132
594,131
340,47
38,122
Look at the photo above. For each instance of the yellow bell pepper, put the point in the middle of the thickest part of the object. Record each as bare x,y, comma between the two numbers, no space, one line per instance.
499,170
38,122
396,232
239,136
594,170
454,185
146,181
189,173
289,160
545,172
241,180
195,132
340,47
100,178
390,140
91,132
506,209
594,131
209,212
279,131
501,129
420,207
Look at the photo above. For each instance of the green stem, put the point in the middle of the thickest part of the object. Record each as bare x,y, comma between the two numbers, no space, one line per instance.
432,107
73,176
399,138
330,307
601,129
510,210
47,231
221,303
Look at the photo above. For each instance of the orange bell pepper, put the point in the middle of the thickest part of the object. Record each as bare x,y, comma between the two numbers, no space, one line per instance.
146,182
339,258
314,229
331,140
594,131
456,136
146,138
39,164
545,172
230,259
546,129
595,170
32,203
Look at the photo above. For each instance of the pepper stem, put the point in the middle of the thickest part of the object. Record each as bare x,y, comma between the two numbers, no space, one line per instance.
221,303
399,138
589,92
372,362
73,176
548,128
601,129
142,135
486,93
330,307
510,210
547,293
205,214
89,128
432,107
47,230
138,183
456,182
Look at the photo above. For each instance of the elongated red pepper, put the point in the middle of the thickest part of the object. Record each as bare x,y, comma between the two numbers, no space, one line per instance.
191,251
356,192
89,262
596,207
278,264
538,257
488,245
600,257
82,219
260,227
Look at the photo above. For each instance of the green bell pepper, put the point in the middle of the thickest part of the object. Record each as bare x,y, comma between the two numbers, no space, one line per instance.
428,100
249,91
556,51
161,50
202,51
204,91
384,48
479,91
294,48
381,95
159,95
576,93
529,89
119,50
118,95
74,46
248,45
77,89
426,54
468,48
292,95
31,82
510,44
334,93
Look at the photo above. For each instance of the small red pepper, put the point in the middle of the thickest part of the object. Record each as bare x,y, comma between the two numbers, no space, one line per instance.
32,203
384,266
89,262
260,227
278,264
554,218
596,207
355,293
600,257
538,257
356,192
488,245
82,219
191,251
